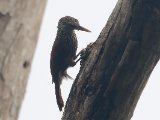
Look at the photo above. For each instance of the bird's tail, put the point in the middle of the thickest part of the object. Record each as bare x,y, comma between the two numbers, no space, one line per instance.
57,80
59,98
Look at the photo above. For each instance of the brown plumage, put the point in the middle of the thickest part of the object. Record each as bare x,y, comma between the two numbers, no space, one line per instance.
63,53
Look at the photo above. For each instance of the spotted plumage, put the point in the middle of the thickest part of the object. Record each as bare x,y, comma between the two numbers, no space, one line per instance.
63,53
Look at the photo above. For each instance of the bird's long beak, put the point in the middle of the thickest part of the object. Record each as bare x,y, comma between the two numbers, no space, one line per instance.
83,29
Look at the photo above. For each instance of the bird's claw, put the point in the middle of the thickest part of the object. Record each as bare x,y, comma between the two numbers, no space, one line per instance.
83,53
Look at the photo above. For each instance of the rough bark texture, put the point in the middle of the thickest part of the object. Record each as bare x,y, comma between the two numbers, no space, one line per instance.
19,27
120,62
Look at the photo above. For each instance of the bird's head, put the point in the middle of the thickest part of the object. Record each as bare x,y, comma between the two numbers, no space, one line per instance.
69,23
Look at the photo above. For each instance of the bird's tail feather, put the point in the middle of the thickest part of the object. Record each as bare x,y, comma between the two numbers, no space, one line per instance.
59,98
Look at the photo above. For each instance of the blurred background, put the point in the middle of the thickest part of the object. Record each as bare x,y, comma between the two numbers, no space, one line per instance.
40,102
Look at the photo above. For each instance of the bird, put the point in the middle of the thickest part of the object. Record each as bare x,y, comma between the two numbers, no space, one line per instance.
63,53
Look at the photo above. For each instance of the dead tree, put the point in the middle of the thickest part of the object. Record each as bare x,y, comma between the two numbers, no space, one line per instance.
115,72
19,27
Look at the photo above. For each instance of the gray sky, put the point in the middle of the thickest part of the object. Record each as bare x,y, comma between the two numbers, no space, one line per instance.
40,101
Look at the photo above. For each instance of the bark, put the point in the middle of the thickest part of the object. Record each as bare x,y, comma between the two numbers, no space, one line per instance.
19,26
113,76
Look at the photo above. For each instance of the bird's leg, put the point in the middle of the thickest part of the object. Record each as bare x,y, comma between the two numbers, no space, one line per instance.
76,56
73,62
60,102
82,54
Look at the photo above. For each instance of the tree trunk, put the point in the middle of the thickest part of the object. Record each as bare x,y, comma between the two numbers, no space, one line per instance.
114,74
19,27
